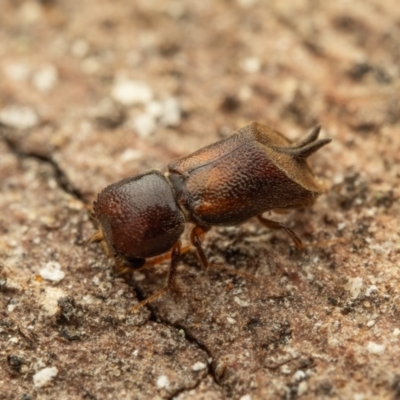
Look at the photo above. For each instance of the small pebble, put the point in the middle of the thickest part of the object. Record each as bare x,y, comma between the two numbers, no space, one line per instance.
251,65
80,48
45,78
30,12
241,303
52,272
299,375
370,290
198,366
162,382
302,388
49,300
376,348
129,92
19,117
354,286
18,72
171,112
144,125
44,376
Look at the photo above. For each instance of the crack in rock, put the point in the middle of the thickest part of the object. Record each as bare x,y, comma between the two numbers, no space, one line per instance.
59,174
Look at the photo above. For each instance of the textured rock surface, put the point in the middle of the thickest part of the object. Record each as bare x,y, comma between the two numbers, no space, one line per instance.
265,321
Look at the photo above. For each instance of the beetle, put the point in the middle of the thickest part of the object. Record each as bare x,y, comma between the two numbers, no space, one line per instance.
255,170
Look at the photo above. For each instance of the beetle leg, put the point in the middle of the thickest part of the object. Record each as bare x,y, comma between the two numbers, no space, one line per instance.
96,237
164,257
175,256
277,225
195,239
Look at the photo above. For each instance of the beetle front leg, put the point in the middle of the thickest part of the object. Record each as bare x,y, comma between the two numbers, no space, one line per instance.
171,285
195,238
277,225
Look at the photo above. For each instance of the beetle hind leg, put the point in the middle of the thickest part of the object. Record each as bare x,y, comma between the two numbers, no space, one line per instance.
277,225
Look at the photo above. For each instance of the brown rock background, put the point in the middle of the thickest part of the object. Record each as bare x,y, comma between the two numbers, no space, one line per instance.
94,91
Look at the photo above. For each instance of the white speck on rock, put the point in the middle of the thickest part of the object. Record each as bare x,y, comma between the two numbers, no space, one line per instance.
370,290
198,366
17,72
246,3
376,348
299,375
30,12
181,333
45,78
231,320
245,397
49,300
130,155
80,48
11,307
354,286
128,92
302,388
396,332
44,376
245,93
251,65
52,272
163,382
145,125
19,117
90,65
171,112
241,303
88,299
154,108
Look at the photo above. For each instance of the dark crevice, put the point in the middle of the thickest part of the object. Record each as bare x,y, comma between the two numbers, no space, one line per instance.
155,317
191,339
60,176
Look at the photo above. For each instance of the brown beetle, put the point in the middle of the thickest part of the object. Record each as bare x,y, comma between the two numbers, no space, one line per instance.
253,171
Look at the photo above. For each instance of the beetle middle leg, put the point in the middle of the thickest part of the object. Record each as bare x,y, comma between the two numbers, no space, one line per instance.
195,238
277,225
171,283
